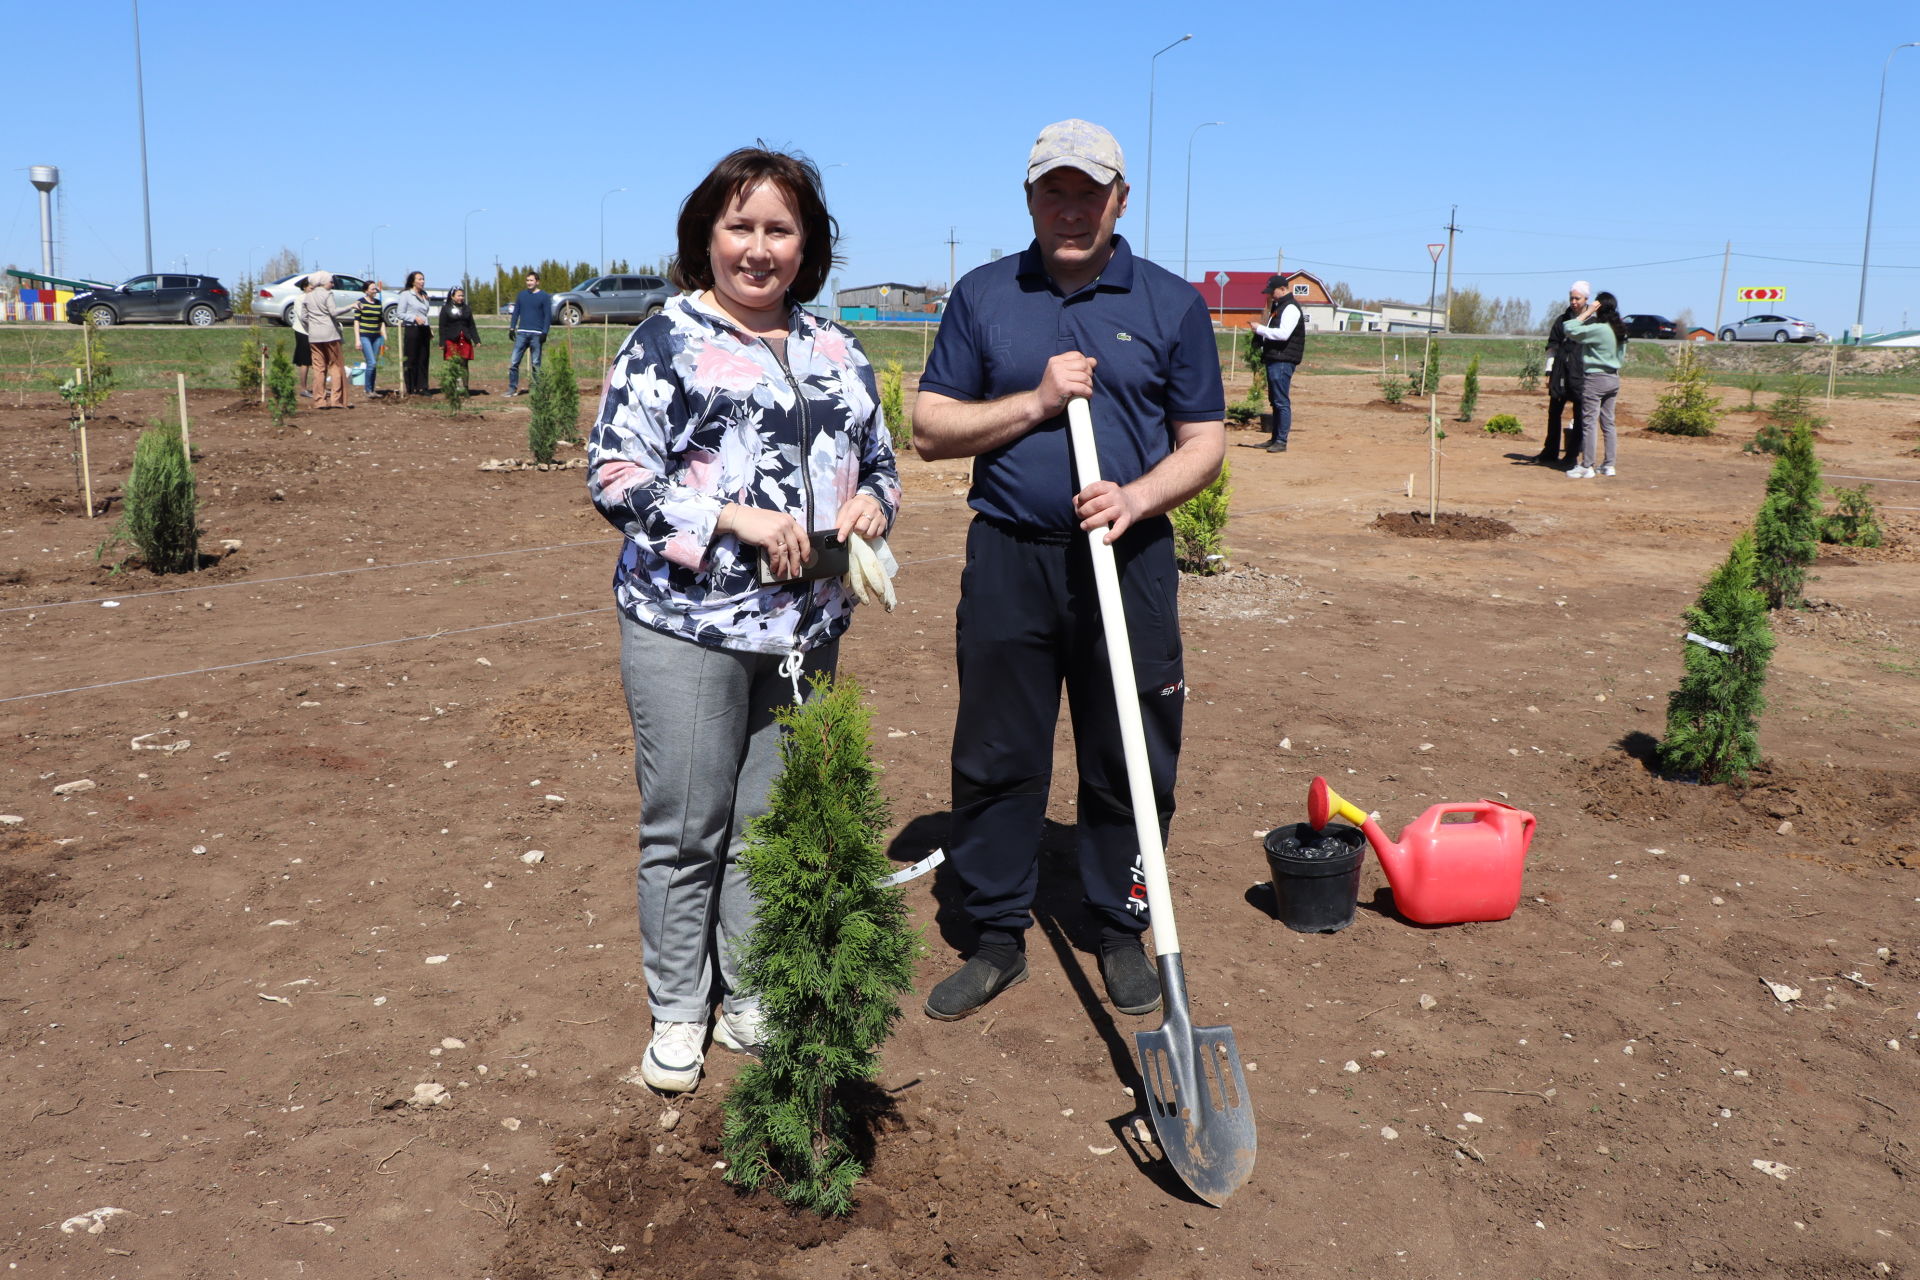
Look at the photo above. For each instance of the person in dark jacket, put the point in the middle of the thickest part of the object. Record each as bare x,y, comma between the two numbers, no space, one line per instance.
458,334
1283,340
532,317
1565,373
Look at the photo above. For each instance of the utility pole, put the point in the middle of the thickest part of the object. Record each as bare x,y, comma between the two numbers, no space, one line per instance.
951,242
1451,229
1719,299
140,97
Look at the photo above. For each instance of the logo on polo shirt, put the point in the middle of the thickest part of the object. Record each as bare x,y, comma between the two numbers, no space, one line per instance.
1124,336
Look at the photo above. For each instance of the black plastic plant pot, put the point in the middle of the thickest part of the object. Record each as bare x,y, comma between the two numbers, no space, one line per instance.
1316,875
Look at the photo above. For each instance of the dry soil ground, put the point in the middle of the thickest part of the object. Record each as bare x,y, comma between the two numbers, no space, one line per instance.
299,889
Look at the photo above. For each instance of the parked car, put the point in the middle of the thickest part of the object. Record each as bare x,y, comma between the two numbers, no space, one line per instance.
612,299
1769,329
275,301
1649,327
196,300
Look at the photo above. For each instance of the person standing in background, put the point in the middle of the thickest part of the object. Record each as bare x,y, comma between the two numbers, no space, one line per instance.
1597,337
532,317
1283,340
369,318
302,348
416,333
458,334
323,334
1564,372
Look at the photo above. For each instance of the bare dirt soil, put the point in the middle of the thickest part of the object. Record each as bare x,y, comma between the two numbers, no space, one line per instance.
288,992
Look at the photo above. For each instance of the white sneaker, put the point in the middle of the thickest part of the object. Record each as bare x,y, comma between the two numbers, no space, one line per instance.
743,1031
1580,473
1607,470
674,1056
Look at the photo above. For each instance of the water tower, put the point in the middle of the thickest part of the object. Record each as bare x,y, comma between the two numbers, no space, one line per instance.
45,178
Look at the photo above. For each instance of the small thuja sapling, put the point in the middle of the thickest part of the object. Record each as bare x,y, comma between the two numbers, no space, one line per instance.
1754,383
160,505
1687,407
453,384
1786,532
1503,424
1393,388
1530,368
1470,389
893,404
1791,408
1713,716
556,405
246,369
1200,527
829,956
1853,522
283,388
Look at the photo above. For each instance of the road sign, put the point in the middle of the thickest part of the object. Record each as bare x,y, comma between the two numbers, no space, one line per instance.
1766,293
1221,279
884,291
1435,250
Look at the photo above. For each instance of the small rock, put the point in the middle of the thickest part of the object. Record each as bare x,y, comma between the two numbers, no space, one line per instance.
1388,1132
532,856
1885,953
483,662
14,820
429,1095
1599,697
1428,1002
1686,879
1286,744
1617,926
1781,991
669,1118
1350,1066
93,1221
230,545
451,1043
1773,1169
1099,1151
1471,1118
1717,900
436,959
1426,746
1893,1044
510,1124
1784,829
75,787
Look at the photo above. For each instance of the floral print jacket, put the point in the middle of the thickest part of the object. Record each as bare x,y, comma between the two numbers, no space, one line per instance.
697,414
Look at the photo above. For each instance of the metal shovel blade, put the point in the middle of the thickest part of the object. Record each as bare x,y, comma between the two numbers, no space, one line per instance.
1197,1094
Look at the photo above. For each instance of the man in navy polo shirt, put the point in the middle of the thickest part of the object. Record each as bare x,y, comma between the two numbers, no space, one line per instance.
1075,314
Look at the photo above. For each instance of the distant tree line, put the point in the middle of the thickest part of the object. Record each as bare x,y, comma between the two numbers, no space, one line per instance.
1473,312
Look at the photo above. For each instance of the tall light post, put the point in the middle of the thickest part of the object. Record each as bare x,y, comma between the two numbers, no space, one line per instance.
464,224
1186,221
140,98
208,268
603,227
1860,315
1153,69
303,251
373,253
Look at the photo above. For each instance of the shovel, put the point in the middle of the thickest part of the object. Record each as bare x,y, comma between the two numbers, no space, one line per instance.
1196,1090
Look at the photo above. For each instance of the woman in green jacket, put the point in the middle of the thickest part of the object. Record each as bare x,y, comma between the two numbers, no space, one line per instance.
1601,341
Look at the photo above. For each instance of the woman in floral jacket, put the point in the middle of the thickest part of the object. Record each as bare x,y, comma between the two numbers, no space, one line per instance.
735,430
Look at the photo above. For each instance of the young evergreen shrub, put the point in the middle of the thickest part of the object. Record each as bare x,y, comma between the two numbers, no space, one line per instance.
1687,407
1531,366
1854,522
453,384
893,405
283,388
1786,533
1426,374
1754,384
1792,408
829,958
1470,389
1200,527
89,355
1713,717
161,508
1393,388
1503,424
556,405
246,370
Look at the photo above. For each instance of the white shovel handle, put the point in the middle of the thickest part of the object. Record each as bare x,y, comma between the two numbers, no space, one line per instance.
1126,694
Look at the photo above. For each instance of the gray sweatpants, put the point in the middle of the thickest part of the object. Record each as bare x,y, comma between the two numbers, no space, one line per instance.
1596,416
706,753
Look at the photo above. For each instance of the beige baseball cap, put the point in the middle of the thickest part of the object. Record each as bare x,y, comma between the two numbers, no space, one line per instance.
1079,144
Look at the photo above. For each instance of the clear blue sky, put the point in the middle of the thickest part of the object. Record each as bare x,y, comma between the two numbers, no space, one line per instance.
1576,140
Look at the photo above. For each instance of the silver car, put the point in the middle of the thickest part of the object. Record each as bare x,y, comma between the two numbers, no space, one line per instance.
276,301
623,299
1769,329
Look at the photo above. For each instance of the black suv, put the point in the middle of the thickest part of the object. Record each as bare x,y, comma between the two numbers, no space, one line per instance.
612,299
196,300
1649,327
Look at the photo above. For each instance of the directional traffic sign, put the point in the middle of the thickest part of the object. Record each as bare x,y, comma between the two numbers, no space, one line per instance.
1765,293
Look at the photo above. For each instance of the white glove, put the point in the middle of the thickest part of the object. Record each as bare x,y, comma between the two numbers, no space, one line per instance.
870,570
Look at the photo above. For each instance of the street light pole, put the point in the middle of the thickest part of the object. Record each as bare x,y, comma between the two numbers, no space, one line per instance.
373,254
303,251
140,97
464,224
1860,315
1153,69
603,227
1187,220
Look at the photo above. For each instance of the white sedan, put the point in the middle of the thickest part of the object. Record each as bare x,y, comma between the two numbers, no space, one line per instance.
1769,329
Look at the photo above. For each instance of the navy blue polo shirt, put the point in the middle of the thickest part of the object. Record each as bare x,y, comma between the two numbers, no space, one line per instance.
1158,365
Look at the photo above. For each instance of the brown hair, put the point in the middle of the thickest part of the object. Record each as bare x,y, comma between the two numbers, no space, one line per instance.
739,172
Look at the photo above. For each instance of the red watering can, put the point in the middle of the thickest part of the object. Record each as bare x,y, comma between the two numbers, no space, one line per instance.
1453,864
